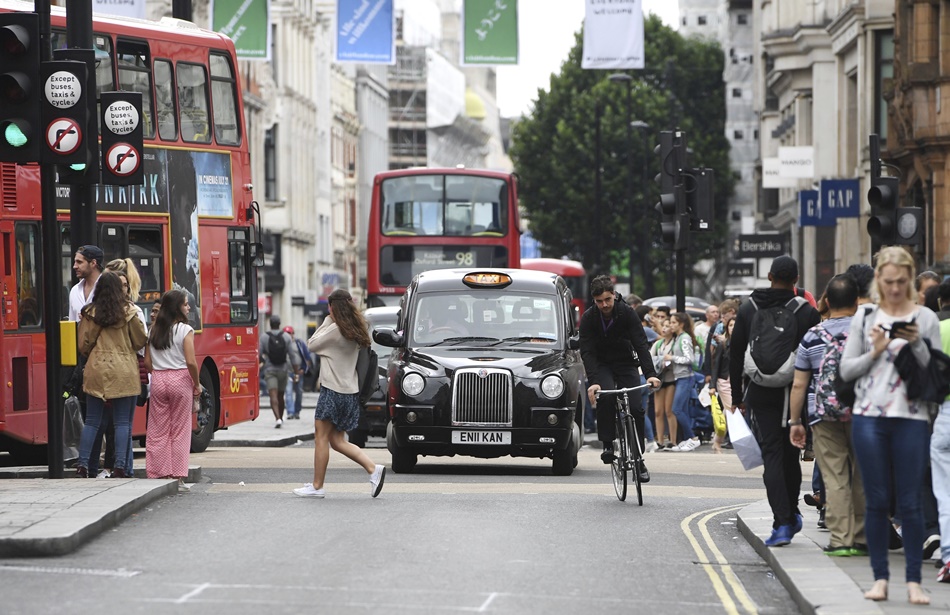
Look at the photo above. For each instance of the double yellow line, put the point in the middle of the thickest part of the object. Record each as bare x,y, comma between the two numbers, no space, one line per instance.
720,573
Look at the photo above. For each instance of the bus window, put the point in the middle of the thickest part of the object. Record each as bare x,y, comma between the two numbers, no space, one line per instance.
29,286
193,103
224,101
112,241
165,101
241,276
480,202
436,205
145,250
105,81
132,58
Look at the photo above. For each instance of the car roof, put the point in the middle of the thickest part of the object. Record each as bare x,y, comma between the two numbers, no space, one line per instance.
522,280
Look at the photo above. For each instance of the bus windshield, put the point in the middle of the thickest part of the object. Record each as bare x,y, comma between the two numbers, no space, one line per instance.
438,205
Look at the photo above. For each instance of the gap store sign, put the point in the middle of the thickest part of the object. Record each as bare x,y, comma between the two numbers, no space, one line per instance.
835,198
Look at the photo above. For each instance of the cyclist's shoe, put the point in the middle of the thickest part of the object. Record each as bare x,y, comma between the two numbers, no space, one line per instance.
608,455
644,473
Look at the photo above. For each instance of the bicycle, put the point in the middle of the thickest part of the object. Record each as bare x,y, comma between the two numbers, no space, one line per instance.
626,435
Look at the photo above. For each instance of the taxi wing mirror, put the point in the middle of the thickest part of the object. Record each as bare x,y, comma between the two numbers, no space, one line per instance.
388,337
574,342
257,254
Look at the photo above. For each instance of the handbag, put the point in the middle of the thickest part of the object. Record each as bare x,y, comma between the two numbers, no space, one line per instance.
930,383
718,417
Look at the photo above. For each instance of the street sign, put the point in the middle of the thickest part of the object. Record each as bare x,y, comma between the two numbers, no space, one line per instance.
64,136
122,138
740,270
122,160
63,89
760,246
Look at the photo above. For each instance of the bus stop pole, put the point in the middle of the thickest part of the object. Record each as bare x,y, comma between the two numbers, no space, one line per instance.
54,285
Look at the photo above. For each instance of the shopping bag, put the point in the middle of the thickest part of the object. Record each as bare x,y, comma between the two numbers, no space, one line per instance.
719,419
704,396
72,427
743,442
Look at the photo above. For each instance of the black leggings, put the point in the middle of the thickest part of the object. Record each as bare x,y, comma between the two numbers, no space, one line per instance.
617,377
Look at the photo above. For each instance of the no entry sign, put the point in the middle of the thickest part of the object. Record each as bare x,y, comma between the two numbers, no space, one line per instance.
123,159
64,136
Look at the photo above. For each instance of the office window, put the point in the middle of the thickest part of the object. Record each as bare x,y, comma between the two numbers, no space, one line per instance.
737,92
883,76
742,19
701,20
738,135
270,164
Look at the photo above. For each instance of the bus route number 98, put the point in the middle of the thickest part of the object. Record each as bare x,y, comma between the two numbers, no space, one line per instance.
464,259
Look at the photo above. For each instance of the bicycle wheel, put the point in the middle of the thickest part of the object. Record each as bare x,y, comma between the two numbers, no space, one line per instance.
635,458
618,467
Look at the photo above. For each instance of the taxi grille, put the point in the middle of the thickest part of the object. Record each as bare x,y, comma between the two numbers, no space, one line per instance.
482,397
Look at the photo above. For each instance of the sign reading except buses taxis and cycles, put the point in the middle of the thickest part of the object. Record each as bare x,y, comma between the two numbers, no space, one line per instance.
63,112
122,138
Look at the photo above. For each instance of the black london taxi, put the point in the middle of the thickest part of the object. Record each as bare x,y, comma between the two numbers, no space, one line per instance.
485,363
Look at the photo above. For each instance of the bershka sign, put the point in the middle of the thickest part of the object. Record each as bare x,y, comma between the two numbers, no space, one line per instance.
797,162
760,246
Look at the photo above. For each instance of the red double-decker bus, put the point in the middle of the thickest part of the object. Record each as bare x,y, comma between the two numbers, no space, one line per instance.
572,272
432,218
189,226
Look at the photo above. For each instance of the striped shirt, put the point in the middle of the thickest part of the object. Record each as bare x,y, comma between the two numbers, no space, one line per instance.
811,351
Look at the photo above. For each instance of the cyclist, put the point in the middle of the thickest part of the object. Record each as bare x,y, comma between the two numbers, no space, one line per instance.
613,346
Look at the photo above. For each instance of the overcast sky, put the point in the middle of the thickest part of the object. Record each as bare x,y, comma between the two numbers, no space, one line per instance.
546,30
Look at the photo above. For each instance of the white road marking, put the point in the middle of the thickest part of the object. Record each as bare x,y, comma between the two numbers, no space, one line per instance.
121,572
196,591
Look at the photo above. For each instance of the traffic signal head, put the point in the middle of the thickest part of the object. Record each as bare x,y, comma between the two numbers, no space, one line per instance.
882,225
19,94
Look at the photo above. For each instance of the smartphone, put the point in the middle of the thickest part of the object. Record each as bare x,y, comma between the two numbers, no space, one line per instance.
898,326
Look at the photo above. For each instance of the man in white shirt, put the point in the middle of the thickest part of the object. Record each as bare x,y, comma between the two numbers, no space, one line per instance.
702,329
87,265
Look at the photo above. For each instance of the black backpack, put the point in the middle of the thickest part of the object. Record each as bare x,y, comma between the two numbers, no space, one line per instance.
367,373
276,348
773,342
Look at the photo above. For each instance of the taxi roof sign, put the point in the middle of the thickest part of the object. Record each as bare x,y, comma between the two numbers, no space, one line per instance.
487,279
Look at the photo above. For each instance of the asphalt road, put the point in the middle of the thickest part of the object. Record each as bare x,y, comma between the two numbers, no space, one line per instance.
457,536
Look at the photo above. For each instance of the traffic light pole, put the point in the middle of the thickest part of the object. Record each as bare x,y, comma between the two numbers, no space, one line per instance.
82,210
54,285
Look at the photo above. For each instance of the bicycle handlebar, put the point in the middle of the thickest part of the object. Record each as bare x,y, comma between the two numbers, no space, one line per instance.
619,391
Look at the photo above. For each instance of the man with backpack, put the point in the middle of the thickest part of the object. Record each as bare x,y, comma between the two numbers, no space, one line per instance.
293,394
829,414
278,355
769,327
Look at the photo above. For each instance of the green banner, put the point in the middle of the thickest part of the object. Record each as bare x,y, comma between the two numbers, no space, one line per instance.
489,32
247,23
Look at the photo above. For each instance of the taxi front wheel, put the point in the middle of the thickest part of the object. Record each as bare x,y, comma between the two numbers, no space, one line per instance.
404,462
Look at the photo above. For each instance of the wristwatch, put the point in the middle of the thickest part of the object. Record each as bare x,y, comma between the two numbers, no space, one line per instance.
798,422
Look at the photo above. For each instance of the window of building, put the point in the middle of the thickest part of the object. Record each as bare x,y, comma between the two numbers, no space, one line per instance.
701,20
742,19
755,134
737,92
270,164
883,76
738,135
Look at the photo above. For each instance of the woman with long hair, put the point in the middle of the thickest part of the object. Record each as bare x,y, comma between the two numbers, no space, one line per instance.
110,334
890,431
719,384
170,358
338,342
127,267
663,398
683,355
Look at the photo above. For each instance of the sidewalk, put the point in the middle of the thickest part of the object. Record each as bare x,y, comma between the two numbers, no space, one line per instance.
833,585
261,432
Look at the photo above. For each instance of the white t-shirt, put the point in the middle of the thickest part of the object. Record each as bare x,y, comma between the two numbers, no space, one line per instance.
172,357
78,300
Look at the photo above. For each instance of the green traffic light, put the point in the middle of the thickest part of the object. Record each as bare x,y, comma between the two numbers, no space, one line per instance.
14,135
78,167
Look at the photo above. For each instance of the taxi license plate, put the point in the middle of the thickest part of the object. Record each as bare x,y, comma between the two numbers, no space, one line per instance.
481,437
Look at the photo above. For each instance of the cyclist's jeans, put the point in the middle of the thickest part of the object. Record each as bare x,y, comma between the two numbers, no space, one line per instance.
616,377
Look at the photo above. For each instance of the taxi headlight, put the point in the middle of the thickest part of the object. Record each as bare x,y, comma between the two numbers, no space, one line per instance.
413,384
552,387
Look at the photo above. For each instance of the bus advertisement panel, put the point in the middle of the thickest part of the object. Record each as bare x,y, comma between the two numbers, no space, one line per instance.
430,218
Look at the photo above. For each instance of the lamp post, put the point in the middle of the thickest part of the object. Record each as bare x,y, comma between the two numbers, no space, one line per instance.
625,78
646,267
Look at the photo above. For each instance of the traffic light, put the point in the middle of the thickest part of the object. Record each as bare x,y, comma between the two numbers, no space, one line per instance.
667,179
882,225
681,220
19,95
700,200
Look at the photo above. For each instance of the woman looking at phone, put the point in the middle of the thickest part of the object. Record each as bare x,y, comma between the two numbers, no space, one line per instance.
891,433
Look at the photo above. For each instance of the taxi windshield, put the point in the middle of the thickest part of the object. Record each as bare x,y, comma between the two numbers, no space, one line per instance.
485,317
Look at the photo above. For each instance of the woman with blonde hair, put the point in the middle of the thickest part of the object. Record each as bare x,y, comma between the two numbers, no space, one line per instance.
126,267
890,431
338,342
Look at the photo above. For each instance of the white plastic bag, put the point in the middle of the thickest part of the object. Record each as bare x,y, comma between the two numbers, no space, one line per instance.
743,442
704,396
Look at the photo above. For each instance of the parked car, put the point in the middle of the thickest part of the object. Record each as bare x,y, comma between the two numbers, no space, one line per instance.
486,364
695,307
374,415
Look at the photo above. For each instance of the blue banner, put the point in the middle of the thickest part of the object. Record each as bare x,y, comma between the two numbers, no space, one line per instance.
840,198
365,31
811,212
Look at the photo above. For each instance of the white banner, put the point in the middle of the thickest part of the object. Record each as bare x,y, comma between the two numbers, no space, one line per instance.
122,8
613,34
797,162
772,175
445,87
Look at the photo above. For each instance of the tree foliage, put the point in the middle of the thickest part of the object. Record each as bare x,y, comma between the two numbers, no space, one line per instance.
555,151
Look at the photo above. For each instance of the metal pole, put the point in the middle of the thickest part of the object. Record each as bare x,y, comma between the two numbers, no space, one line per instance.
646,245
82,211
598,112
54,285
629,200
680,280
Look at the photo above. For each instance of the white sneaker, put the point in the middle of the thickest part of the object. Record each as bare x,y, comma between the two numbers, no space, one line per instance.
651,447
278,424
307,491
689,445
376,479
104,474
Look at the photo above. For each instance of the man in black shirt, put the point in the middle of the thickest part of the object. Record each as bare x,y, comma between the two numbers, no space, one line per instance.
613,346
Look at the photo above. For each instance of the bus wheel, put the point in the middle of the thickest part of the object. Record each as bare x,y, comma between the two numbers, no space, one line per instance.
207,415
